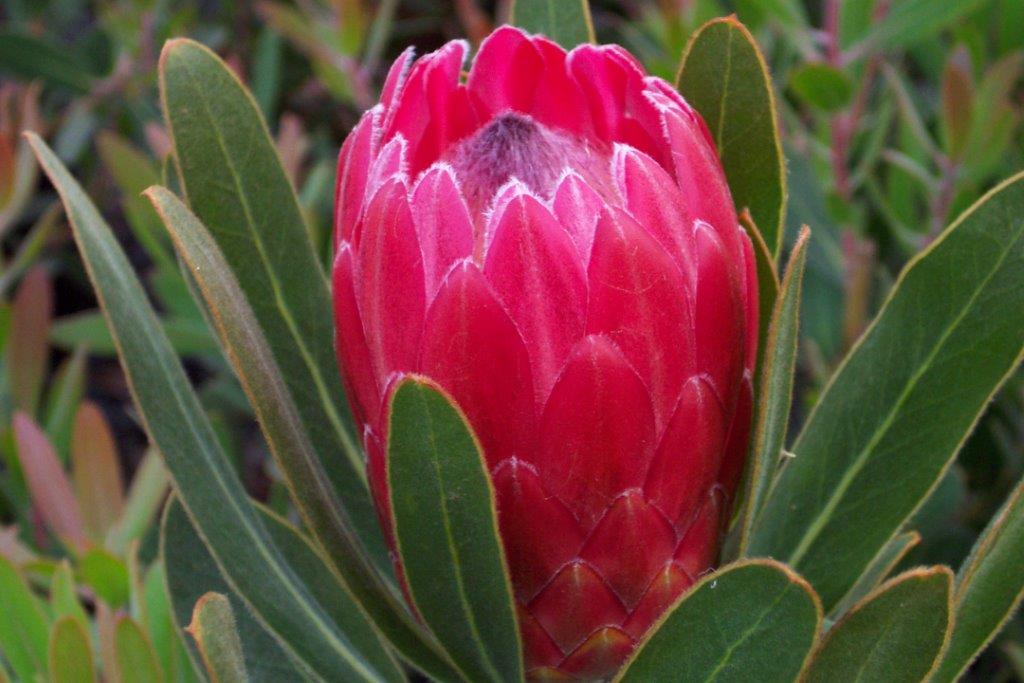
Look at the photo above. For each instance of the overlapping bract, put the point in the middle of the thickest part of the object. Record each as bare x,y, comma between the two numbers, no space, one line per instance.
553,242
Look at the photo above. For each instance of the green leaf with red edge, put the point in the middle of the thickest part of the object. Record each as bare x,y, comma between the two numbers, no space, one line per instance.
446,529
724,77
70,653
895,634
136,659
989,587
775,388
204,477
767,286
235,184
754,620
901,404
567,22
213,628
96,471
887,560
48,484
28,348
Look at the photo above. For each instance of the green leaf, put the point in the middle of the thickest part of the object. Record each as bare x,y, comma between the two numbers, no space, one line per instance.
887,560
754,620
767,287
203,476
725,78
29,57
24,632
236,186
66,392
567,22
136,659
213,627
895,634
911,21
190,572
70,653
107,575
64,600
776,387
903,401
278,416
148,490
187,337
822,86
447,533
989,587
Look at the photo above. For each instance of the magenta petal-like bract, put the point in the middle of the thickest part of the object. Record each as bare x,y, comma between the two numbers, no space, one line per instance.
552,241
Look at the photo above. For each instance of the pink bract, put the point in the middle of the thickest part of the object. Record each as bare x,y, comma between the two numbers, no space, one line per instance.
553,242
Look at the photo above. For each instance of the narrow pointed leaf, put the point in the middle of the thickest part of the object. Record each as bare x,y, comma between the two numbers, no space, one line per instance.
447,534
767,287
65,394
776,386
751,621
27,349
70,653
887,560
260,375
48,484
136,659
23,625
567,22
213,627
989,587
203,475
880,438
148,490
235,184
895,634
63,594
96,471
725,78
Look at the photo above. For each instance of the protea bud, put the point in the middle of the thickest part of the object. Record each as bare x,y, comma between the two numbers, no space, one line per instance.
552,241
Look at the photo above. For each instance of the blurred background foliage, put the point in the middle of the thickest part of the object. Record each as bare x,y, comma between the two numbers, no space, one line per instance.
896,116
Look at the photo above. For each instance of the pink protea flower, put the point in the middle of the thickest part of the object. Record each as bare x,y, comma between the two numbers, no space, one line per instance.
552,241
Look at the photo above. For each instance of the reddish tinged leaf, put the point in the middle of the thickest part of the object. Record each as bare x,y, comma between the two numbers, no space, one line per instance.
468,337
575,604
602,652
662,592
687,460
750,287
597,430
48,485
95,471
638,299
539,533
389,285
629,545
738,442
28,347
350,343
533,267
443,224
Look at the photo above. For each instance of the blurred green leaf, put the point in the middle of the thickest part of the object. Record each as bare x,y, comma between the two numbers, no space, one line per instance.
106,574
910,21
446,531
64,600
957,101
275,409
213,627
187,337
880,567
265,80
754,620
136,660
989,587
236,186
203,476
776,387
28,351
66,391
567,22
879,440
725,78
70,653
895,634
24,632
821,86
30,57
147,492
96,471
